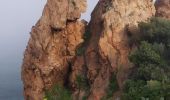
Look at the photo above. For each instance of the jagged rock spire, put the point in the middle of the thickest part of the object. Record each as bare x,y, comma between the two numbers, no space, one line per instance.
51,47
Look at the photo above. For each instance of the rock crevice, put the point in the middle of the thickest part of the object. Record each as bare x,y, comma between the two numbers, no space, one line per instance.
51,55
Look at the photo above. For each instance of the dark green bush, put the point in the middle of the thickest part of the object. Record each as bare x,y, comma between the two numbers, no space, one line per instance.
150,79
145,54
82,47
151,72
82,82
133,90
113,87
139,89
58,93
82,85
157,30
80,50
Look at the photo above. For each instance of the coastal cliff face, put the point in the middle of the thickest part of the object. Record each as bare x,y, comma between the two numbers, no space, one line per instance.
61,47
51,47
108,47
162,8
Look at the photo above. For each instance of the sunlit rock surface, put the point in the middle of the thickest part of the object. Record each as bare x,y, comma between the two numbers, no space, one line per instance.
51,47
51,58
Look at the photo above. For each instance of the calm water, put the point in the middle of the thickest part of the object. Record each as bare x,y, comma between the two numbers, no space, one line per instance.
10,83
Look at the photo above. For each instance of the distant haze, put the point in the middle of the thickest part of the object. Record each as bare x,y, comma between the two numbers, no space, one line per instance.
16,20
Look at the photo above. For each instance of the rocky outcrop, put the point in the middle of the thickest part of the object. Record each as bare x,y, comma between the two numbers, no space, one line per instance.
61,47
111,25
51,47
58,12
162,8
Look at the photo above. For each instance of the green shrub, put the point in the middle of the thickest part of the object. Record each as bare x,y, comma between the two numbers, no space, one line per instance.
82,82
150,79
87,35
84,98
113,87
153,90
80,50
133,90
58,93
157,30
82,47
151,72
145,54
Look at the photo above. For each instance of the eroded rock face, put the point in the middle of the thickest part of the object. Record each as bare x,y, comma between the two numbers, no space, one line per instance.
58,12
108,48
162,8
51,47
50,56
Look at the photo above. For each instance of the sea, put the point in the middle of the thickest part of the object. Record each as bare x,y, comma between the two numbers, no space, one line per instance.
11,87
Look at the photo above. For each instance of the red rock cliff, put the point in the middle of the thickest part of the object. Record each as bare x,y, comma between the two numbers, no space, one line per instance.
108,48
162,8
51,47
51,51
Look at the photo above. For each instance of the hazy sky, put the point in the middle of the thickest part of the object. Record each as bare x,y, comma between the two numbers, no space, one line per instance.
91,5
16,19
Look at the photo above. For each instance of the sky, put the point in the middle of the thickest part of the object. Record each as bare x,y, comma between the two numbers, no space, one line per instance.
91,5
16,19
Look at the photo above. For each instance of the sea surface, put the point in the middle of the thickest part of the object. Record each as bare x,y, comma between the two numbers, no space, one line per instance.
10,81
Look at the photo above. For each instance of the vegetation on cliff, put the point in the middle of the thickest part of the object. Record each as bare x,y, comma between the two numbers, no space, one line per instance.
150,78
82,47
58,93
